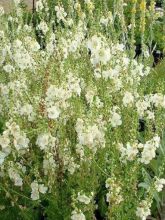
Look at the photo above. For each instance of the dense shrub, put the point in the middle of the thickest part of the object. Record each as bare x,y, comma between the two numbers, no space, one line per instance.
82,128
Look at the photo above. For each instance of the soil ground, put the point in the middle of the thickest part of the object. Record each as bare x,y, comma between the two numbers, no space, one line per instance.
8,4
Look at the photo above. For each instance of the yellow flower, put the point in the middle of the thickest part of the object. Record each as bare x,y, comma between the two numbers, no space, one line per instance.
143,5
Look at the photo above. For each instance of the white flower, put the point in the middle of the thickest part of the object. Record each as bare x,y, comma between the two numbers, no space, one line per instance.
73,84
110,74
108,197
118,84
128,99
33,45
104,21
102,55
90,96
150,115
91,136
94,44
108,183
21,56
159,184
2,157
27,28
80,150
43,141
83,198
115,120
49,164
142,106
157,99
35,190
78,215
156,141
99,103
2,34
53,112
43,27
8,68
39,6
27,109
42,189
60,12
143,211
35,195
71,165
15,177
18,180
148,153
131,151
21,142
13,128
149,150
114,191
70,22
50,47
4,141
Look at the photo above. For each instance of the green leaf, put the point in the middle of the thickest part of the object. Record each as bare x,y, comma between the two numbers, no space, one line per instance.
143,185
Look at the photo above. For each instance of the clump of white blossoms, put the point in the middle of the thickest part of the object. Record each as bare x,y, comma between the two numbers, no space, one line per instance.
159,184
128,99
15,177
19,57
91,136
83,198
37,189
27,110
8,68
143,152
149,150
129,152
78,215
31,44
143,211
105,20
60,13
39,5
100,53
114,195
45,140
115,118
43,27
53,112
13,137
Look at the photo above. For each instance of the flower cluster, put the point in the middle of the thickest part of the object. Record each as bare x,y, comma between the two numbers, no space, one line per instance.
114,195
145,152
36,189
91,136
159,184
13,137
143,211
78,215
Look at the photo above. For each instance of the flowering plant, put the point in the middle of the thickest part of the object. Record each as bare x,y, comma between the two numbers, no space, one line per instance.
72,105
